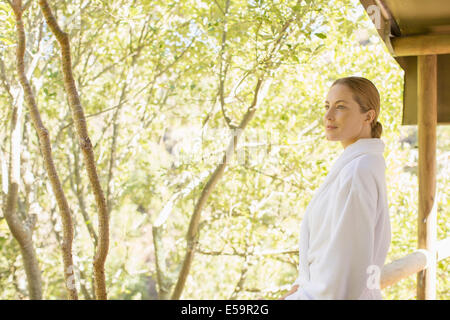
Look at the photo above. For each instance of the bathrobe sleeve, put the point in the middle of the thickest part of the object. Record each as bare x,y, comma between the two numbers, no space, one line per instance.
339,271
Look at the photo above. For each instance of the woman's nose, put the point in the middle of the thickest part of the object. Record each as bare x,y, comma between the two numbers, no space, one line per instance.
328,114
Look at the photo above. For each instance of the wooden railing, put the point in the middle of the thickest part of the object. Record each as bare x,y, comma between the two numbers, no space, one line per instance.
412,263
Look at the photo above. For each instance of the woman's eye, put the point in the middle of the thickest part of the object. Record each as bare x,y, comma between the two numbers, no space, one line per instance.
339,106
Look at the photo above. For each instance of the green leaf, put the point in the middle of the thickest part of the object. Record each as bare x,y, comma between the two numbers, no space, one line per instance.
321,35
6,41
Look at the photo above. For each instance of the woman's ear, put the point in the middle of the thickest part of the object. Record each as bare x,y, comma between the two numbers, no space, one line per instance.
370,115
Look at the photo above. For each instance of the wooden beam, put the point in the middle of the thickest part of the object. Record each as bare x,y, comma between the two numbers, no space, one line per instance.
412,263
403,268
421,45
427,122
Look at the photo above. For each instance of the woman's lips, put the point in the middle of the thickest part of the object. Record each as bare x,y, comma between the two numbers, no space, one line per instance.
331,127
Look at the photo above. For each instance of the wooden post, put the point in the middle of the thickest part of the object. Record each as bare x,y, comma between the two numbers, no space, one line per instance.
427,121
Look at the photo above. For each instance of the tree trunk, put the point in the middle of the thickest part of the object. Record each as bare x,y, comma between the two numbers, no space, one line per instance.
20,232
87,150
24,238
45,146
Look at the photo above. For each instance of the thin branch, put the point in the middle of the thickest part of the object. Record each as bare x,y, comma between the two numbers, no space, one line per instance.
244,254
25,7
223,72
5,82
220,8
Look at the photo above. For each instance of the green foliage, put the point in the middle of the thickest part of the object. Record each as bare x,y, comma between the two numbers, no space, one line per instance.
157,64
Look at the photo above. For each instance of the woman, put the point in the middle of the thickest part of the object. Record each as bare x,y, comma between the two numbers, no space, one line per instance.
345,233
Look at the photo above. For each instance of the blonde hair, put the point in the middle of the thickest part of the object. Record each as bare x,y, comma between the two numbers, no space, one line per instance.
367,96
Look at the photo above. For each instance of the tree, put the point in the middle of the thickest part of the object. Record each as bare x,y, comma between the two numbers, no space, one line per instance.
86,147
46,150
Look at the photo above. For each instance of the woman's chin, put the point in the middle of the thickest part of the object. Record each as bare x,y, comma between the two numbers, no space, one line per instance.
331,137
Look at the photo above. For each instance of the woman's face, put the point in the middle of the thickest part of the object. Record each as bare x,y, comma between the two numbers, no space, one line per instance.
343,120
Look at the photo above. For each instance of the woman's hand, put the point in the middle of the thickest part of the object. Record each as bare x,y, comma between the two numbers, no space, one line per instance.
293,289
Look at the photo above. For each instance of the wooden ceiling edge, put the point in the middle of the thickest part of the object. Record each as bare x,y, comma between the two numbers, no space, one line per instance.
408,45
417,45
391,35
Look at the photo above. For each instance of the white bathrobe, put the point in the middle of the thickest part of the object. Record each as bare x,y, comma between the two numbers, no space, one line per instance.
345,232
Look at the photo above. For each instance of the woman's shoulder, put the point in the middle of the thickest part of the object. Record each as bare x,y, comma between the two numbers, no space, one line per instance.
370,162
366,166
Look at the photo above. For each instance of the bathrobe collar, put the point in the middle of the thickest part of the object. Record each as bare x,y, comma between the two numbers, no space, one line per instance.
356,149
